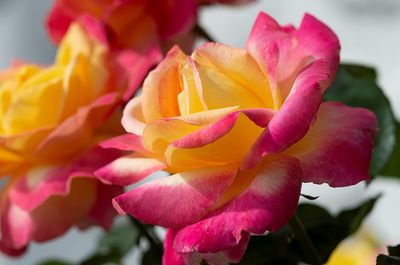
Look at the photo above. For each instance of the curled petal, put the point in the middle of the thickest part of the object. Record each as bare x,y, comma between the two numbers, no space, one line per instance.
180,199
283,52
128,170
162,86
301,63
225,149
132,118
209,133
285,128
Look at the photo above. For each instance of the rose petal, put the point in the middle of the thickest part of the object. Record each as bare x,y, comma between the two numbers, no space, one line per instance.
285,128
125,142
102,212
132,118
337,149
76,130
172,257
209,133
136,66
267,205
301,64
128,170
162,86
47,221
168,22
33,189
179,199
283,52
226,149
231,77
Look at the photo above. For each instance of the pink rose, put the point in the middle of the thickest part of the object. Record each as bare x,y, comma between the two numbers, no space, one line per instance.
240,130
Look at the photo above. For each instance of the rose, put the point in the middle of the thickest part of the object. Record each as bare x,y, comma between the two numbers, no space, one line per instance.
51,119
139,25
137,31
240,130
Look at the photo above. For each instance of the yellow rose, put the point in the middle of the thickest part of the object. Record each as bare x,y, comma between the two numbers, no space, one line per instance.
43,109
51,119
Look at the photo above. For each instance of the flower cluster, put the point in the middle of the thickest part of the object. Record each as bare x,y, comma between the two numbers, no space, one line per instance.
238,129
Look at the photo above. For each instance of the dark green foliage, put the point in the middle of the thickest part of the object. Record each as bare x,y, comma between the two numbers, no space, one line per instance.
54,262
392,168
392,259
326,232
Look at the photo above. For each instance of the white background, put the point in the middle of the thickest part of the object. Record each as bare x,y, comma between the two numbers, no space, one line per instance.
369,31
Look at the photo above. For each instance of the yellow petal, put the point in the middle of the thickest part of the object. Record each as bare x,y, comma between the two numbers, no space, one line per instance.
190,99
231,77
37,103
229,149
162,86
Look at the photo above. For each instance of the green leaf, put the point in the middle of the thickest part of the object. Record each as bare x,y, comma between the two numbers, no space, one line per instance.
387,260
392,259
356,85
111,258
152,256
114,245
119,239
325,231
355,217
392,168
394,251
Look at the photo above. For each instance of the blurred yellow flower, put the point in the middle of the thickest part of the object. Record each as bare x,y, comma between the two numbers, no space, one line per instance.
51,118
40,105
359,250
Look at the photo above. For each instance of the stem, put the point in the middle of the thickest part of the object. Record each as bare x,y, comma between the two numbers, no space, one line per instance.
305,241
199,31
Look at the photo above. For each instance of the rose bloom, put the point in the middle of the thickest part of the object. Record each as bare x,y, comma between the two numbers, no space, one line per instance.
138,31
137,24
51,119
240,130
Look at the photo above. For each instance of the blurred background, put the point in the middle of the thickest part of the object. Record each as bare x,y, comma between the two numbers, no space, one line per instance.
369,31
